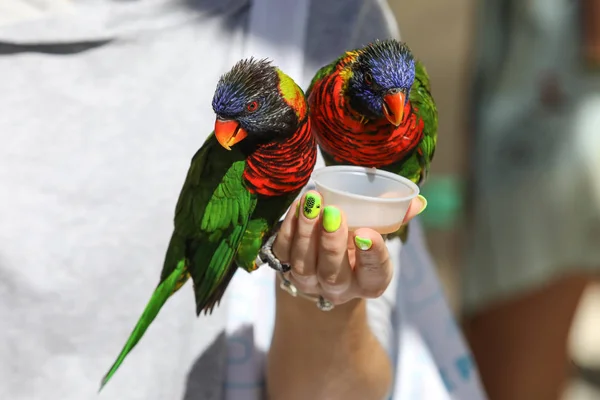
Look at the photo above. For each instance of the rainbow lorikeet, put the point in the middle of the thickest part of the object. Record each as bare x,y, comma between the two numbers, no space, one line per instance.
241,181
373,107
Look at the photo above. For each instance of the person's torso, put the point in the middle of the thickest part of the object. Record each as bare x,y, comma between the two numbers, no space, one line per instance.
105,104
96,142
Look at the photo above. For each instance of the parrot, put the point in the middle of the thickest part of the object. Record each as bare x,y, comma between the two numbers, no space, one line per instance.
373,107
240,182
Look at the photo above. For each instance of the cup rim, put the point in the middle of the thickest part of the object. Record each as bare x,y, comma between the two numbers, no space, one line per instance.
366,170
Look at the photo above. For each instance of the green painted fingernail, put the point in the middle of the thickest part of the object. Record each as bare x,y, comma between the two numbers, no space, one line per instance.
363,243
332,219
312,205
297,209
424,200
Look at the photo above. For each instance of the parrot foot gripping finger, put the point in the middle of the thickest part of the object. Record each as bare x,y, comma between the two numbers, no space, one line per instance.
267,256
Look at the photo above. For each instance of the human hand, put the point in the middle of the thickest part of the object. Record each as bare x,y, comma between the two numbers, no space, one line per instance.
326,260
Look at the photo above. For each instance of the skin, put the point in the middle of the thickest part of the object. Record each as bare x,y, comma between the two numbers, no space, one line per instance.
521,345
591,28
339,358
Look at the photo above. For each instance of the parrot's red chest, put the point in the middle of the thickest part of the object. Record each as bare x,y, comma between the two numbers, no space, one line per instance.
349,139
280,168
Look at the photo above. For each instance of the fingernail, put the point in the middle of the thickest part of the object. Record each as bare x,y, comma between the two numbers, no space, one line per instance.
312,205
424,200
297,213
332,219
363,243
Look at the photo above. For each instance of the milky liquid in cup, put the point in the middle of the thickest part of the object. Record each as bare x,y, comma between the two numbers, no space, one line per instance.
385,229
390,195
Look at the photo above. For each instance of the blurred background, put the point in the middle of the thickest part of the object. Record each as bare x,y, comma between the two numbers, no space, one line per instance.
442,34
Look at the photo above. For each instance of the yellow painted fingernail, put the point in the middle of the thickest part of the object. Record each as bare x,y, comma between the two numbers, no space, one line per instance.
297,210
312,205
332,219
363,243
424,200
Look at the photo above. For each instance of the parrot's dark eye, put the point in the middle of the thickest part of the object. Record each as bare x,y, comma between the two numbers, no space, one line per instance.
252,106
368,78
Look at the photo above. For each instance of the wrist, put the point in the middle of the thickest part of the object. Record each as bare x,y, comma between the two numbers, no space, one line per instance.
325,354
299,314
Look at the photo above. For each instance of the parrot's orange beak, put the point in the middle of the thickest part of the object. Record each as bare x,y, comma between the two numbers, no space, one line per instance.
393,107
229,132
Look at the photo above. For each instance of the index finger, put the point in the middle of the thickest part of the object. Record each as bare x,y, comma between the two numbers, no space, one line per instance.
285,236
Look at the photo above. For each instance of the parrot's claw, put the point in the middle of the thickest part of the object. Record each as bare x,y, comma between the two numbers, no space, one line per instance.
267,256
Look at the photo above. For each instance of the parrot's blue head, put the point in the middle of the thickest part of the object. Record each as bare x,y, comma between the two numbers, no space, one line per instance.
250,106
381,78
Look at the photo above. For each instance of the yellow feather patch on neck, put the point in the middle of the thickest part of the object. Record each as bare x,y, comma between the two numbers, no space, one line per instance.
292,94
346,74
343,65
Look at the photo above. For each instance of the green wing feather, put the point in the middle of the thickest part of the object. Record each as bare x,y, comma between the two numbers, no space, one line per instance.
223,221
416,167
211,217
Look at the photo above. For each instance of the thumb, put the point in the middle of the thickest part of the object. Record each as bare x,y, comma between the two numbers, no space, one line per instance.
417,206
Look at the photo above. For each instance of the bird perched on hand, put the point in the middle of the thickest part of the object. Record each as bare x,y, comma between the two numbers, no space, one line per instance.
241,181
372,107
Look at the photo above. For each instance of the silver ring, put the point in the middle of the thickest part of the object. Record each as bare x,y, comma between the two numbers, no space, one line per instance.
322,303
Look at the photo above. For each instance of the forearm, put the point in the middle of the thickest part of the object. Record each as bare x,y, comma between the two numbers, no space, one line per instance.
325,355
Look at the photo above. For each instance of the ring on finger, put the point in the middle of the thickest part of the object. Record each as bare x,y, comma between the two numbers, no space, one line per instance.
322,303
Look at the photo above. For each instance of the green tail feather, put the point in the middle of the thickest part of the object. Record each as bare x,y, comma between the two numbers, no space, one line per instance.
164,290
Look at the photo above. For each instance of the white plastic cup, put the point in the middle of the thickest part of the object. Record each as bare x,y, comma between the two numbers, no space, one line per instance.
369,197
